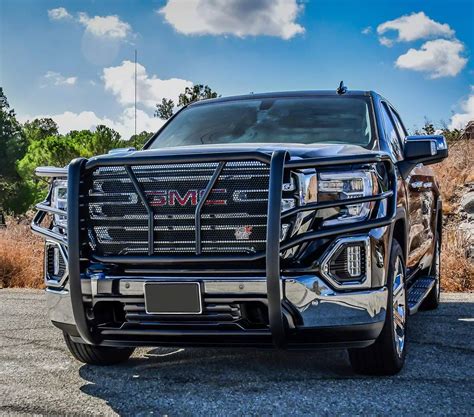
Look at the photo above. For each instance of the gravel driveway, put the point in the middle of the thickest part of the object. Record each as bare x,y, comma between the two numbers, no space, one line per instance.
37,374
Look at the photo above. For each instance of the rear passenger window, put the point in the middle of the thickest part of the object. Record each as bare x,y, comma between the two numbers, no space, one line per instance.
391,133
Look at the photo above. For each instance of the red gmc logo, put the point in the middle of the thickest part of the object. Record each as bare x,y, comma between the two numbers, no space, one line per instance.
162,198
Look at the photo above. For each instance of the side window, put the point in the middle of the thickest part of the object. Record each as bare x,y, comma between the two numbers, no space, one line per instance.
391,133
399,125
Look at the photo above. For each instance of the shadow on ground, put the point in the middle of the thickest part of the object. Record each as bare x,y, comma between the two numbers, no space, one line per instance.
247,381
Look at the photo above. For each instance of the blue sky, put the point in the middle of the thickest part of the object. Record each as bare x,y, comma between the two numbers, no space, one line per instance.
68,59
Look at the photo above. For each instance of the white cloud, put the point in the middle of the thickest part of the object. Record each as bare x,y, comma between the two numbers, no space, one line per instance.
438,58
105,26
235,17
120,81
150,89
461,119
58,79
385,41
124,124
412,27
367,30
59,14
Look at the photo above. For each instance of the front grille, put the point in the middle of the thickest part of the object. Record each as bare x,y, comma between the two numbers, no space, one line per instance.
233,219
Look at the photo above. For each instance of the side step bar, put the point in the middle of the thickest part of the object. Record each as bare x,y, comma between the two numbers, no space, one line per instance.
418,292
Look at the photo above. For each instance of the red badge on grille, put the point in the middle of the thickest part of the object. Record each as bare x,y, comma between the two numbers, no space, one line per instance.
243,233
161,198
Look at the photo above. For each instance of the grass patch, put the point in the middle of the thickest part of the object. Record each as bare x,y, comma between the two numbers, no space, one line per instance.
21,257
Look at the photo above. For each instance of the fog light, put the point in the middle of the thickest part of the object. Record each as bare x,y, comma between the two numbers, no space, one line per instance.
56,261
347,262
56,270
354,260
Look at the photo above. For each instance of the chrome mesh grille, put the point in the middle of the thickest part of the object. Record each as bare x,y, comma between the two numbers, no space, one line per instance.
233,219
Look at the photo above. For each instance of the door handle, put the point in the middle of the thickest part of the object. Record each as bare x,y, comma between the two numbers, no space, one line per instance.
416,185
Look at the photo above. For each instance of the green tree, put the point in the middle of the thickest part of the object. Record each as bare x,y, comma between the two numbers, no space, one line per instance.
137,141
165,109
82,141
12,148
100,142
429,128
55,150
39,129
197,92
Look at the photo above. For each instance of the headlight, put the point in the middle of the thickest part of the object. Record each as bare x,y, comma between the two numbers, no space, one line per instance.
343,185
59,201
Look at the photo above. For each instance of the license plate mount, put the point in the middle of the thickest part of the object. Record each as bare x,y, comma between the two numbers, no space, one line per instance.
169,298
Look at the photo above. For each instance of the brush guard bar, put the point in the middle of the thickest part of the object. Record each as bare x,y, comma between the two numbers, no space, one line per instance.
279,161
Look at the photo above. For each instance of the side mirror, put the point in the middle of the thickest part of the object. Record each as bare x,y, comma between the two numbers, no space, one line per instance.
426,149
422,149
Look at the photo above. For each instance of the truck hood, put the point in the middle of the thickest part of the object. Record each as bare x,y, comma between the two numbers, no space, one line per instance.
297,151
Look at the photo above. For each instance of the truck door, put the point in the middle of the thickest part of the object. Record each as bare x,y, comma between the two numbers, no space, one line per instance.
420,186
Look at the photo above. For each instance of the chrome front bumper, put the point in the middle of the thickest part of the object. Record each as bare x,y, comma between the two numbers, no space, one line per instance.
319,305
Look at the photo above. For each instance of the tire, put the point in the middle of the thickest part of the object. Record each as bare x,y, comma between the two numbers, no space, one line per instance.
431,302
387,355
97,355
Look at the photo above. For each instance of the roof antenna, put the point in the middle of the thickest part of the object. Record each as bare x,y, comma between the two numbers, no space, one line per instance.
135,94
342,89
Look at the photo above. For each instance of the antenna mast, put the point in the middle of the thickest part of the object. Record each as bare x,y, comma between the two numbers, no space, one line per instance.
135,93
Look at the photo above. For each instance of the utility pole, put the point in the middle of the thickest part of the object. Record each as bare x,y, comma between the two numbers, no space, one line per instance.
135,93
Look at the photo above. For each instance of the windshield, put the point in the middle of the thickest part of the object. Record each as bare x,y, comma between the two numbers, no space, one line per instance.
325,119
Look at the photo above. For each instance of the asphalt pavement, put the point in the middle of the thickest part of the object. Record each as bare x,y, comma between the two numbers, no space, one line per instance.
38,376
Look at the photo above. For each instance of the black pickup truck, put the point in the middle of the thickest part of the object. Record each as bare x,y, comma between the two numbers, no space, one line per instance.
292,220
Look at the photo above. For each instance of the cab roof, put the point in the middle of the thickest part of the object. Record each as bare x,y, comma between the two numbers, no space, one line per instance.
282,94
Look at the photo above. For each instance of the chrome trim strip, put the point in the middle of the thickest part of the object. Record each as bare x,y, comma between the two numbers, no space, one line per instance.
171,228
54,210
321,306
180,216
51,172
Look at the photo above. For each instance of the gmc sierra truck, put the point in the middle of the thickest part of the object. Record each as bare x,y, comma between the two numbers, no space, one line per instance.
293,220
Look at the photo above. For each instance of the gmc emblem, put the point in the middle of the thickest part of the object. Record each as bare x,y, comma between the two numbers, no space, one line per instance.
161,198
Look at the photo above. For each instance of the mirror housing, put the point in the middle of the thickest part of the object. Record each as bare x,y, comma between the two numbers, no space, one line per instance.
426,149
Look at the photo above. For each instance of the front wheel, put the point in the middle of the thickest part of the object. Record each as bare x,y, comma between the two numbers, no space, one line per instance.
97,355
387,355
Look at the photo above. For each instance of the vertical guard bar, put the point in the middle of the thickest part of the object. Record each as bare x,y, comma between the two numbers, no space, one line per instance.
151,215
202,201
274,287
74,247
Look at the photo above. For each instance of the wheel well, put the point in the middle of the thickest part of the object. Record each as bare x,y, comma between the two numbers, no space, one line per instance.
399,233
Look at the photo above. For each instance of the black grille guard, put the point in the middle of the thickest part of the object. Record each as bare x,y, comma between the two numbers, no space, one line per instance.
278,162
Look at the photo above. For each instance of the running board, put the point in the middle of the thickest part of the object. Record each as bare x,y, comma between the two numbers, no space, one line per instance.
418,292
